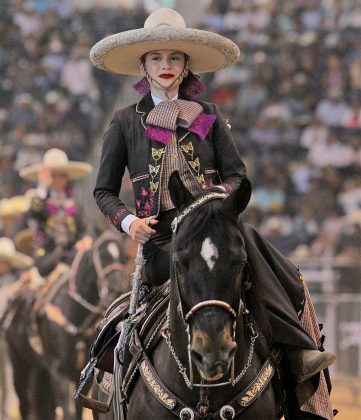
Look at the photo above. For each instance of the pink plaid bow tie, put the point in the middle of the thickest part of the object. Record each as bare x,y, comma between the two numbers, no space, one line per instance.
171,114
164,119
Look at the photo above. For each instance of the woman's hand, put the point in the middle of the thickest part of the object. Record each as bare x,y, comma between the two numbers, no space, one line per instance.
140,231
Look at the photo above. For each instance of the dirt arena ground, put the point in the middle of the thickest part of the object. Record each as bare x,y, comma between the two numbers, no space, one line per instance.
346,397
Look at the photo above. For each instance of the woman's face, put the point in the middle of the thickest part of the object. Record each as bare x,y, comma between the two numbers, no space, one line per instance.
60,181
165,66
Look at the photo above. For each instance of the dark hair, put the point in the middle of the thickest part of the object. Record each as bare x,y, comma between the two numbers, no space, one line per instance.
142,58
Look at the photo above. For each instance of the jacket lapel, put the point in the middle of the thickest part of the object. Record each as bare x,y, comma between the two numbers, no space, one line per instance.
145,105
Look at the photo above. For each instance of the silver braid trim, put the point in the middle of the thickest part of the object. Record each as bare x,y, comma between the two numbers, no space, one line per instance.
183,370
195,205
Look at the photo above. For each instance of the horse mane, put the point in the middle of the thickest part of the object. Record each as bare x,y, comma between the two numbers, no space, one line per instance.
254,302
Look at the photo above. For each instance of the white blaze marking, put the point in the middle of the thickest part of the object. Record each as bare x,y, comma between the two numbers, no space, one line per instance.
113,250
209,253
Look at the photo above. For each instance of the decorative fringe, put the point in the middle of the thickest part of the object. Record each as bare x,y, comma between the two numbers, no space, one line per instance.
142,87
162,135
202,124
191,87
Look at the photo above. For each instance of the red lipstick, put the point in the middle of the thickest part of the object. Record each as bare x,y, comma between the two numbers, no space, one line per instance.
166,76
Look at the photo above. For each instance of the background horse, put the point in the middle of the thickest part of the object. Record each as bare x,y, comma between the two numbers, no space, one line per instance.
210,291
63,327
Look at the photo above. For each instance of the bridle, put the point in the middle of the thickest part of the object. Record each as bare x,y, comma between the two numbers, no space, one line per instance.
101,271
235,314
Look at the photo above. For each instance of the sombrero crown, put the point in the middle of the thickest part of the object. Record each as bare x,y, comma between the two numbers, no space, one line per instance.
164,29
57,160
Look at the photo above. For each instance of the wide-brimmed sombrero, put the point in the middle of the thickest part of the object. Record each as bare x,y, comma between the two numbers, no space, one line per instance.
164,29
16,259
14,206
57,161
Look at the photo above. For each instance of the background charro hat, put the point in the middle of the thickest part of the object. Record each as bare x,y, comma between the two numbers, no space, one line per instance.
16,259
164,29
57,160
14,206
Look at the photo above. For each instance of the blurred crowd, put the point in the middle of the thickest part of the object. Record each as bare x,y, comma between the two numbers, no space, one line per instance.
50,94
294,105
293,102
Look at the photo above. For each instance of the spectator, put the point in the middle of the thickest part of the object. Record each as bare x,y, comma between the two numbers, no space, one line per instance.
332,110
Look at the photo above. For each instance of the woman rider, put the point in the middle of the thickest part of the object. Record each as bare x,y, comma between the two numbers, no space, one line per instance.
168,130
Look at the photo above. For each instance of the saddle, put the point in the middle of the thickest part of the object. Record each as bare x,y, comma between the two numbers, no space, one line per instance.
150,314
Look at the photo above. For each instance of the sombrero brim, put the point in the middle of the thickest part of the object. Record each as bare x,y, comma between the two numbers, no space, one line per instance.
14,206
120,53
74,170
18,260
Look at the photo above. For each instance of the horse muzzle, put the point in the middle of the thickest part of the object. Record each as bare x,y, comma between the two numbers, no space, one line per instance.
214,359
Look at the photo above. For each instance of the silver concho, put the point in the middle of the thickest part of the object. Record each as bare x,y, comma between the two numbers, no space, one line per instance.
227,411
186,414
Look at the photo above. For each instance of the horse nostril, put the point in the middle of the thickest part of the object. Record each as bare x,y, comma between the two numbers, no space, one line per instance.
197,357
221,365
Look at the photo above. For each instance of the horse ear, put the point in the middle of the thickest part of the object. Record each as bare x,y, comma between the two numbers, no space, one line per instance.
239,198
179,194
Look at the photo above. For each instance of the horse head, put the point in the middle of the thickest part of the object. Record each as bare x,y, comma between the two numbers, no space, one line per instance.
102,275
208,273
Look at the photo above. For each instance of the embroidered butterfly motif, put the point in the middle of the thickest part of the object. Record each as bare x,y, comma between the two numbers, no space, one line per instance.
143,192
195,164
154,186
157,153
154,170
200,179
188,148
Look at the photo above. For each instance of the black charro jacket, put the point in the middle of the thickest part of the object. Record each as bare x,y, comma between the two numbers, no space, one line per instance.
212,161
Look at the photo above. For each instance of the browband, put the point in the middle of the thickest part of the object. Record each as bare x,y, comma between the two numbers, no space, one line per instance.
195,205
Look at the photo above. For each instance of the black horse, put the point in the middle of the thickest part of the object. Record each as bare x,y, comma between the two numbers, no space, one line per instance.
61,332
210,327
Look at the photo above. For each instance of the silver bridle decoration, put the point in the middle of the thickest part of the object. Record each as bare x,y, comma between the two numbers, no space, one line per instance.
227,411
189,382
213,302
186,414
195,205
